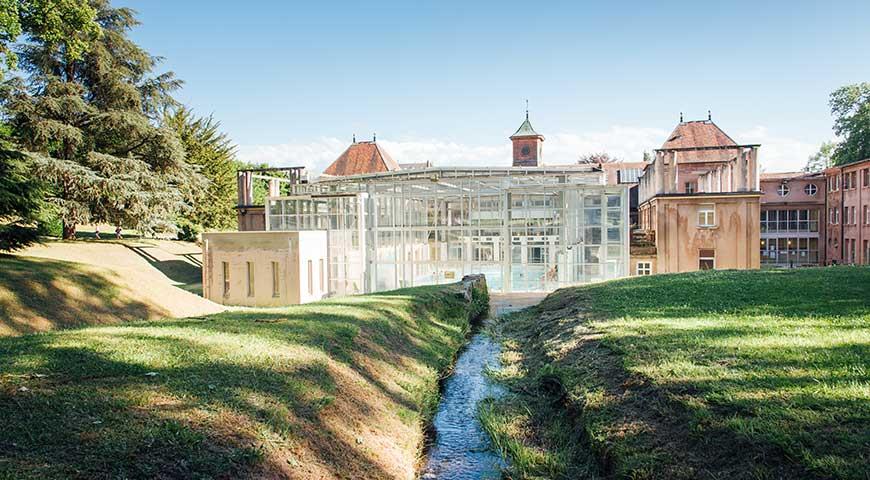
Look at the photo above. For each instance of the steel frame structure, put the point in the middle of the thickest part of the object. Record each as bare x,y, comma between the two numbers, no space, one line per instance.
527,229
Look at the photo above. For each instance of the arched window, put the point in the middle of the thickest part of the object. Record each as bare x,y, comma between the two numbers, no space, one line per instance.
811,189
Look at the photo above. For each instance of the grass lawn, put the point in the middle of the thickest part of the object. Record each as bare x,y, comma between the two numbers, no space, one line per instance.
335,389
38,294
728,374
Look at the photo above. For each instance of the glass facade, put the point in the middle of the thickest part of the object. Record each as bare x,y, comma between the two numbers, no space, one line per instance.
534,229
790,251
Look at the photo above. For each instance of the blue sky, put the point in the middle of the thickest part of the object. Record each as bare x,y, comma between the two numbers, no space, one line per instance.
446,81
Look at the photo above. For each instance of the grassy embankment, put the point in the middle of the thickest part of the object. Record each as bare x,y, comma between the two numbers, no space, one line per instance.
753,374
38,294
335,389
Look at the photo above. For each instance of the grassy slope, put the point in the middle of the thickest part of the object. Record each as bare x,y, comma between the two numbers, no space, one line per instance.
39,294
334,389
754,374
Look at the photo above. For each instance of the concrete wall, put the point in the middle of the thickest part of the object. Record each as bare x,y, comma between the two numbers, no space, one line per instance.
290,251
735,238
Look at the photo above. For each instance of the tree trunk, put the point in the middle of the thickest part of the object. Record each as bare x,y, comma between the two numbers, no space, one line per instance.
69,231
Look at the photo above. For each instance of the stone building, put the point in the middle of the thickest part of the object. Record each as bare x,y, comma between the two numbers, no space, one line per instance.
699,203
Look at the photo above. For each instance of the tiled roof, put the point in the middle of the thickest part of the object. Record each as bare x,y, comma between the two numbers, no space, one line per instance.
362,157
701,133
526,130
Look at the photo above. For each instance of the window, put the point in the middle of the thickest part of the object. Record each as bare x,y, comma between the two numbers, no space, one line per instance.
628,175
866,215
690,187
867,177
707,216
276,284
322,276
310,277
782,190
811,190
644,268
867,252
250,279
706,259
226,274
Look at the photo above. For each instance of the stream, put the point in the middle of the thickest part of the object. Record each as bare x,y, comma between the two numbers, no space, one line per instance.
462,449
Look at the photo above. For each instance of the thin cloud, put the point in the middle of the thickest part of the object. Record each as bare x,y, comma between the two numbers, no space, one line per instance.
626,143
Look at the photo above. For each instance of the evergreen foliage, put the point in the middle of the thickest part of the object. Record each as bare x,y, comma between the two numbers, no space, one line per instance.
209,149
92,124
20,200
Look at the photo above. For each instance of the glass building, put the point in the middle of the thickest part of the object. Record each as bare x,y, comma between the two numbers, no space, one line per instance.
526,229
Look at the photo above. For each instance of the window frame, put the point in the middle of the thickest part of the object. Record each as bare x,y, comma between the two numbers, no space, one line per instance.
643,268
276,280
783,190
708,211
813,187
250,278
711,258
225,271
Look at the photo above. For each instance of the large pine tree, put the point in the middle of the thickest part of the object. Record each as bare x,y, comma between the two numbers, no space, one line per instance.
93,124
213,153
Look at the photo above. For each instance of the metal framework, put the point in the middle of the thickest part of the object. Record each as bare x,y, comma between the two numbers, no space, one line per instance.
526,229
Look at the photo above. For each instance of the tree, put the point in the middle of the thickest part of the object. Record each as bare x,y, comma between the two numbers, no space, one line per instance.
601,157
850,106
20,200
821,159
214,154
71,23
92,126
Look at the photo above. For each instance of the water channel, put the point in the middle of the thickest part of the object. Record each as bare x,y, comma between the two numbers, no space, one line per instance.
462,449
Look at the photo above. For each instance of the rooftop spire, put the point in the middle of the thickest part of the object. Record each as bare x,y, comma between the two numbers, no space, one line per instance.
681,117
709,116
527,109
375,137
354,138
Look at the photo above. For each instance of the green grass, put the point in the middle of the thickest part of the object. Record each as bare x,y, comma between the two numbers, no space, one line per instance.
731,374
340,388
38,294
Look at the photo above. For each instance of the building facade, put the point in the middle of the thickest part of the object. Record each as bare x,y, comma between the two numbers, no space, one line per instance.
793,219
848,211
527,227
264,269
699,203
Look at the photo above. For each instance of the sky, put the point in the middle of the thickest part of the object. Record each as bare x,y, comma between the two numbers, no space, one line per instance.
446,81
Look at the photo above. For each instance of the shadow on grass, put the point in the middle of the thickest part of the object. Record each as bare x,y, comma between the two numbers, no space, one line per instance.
755,374
40,294
238,394
186,271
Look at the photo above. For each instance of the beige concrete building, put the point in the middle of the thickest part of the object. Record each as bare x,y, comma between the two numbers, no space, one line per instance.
699,204
264,268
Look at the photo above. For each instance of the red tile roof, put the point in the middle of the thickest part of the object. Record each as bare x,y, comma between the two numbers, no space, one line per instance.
362,157
701,133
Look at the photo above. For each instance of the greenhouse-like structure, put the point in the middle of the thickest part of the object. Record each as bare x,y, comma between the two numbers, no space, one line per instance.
526,229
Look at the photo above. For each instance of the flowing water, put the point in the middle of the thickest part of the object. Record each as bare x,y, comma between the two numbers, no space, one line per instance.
462,449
